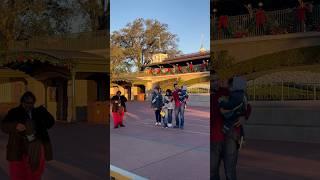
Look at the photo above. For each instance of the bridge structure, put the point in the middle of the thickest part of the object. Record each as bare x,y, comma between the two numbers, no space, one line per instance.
282,66
164,73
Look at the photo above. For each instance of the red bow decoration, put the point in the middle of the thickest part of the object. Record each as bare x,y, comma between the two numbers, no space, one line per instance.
301,13
21,59
223,22
261,17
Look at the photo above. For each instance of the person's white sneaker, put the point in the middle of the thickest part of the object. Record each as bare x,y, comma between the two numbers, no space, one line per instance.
169,125
156,124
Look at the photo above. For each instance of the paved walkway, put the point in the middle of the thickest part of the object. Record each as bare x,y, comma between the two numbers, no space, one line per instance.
265,160
80,153
158,153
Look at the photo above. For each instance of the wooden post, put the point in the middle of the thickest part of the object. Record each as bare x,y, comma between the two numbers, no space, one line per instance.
281,90
73,106
254,90
314,92
45,94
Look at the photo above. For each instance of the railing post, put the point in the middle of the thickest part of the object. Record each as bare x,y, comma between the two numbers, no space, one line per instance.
288,91
314,92
307,92
282,90
270,91
254,90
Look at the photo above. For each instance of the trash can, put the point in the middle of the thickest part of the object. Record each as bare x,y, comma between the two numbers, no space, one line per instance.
140,97
98,112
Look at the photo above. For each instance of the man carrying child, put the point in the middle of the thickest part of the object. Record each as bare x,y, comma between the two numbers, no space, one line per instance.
180,96
226,131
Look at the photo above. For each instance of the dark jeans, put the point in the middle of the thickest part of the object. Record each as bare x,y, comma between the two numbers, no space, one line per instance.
158,116
226,151
179,112
169,116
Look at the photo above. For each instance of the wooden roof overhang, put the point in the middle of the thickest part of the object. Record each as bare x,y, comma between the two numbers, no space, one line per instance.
44,63
195,58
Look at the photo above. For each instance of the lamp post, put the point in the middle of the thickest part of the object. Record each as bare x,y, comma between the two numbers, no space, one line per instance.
214,22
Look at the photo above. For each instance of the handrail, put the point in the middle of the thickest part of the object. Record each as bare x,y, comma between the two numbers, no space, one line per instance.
284,21
266,91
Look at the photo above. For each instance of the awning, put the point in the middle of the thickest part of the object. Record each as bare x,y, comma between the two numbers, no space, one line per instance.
33,61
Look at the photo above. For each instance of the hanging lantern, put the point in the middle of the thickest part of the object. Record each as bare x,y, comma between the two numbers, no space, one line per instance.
260,4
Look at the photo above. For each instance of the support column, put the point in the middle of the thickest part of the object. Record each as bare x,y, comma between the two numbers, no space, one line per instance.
45,94
73,104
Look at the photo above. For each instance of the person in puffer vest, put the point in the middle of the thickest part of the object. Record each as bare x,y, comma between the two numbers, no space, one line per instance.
235,105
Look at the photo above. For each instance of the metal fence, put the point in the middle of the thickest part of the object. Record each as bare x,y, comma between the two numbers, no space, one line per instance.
278,22
283,91
199,91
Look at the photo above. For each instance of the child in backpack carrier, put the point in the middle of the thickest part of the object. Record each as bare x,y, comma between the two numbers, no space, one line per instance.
183,95
234,106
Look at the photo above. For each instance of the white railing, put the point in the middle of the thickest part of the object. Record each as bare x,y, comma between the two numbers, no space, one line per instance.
199,91
285,91
278,22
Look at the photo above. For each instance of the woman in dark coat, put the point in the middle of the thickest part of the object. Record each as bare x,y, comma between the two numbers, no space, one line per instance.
29,143
118,108
156,104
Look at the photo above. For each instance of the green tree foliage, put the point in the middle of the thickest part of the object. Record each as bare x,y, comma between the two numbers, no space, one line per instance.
142,38
94,11
22,19
118,65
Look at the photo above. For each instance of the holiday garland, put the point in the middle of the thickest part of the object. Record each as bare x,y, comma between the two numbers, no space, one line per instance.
18,58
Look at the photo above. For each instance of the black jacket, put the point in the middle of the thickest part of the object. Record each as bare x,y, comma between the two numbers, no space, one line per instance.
123,101
42,119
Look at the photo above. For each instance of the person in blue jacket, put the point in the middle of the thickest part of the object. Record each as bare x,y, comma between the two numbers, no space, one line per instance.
157,104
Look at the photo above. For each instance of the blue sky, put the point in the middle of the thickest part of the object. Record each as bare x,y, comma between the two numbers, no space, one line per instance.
189,19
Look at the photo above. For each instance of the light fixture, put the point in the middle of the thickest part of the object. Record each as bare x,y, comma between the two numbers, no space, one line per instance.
260,4
215,10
